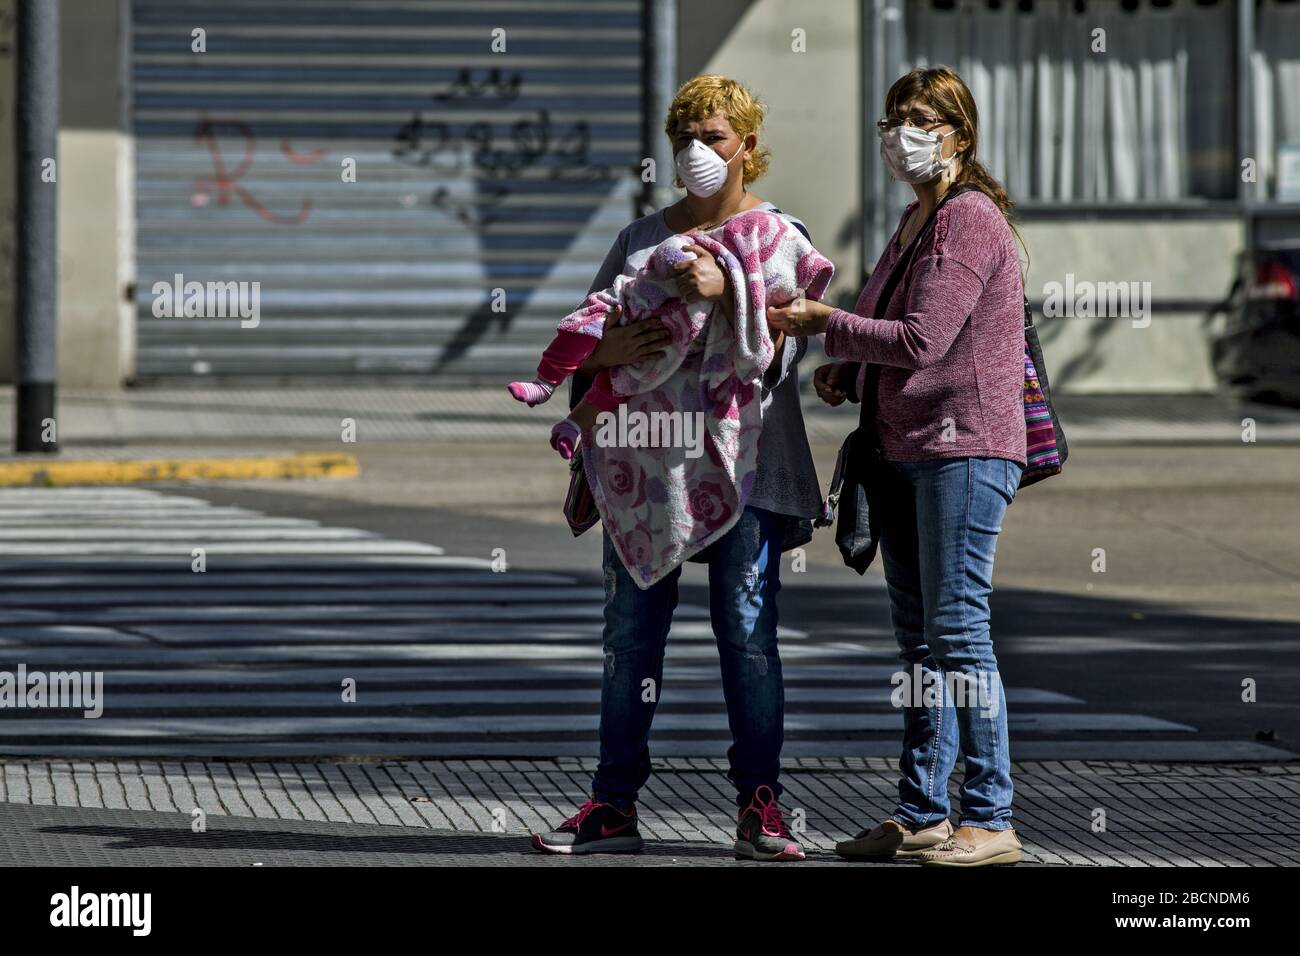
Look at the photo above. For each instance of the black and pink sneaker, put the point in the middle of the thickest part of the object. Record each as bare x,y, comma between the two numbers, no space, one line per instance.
761,833
596,828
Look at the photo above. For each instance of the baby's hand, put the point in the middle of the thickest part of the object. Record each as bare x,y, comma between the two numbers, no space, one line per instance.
630,344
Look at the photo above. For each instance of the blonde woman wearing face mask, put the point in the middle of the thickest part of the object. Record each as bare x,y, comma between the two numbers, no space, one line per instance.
949,344
713,123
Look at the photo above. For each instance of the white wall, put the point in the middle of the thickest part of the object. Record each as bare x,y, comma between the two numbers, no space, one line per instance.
812,125
96,212
1184,260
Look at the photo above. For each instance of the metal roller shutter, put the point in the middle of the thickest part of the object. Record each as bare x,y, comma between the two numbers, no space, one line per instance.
476,170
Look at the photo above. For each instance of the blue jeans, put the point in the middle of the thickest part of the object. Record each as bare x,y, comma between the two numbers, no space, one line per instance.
744,578
937,538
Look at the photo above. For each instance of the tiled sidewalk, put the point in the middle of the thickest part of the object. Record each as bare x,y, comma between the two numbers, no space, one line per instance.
480,811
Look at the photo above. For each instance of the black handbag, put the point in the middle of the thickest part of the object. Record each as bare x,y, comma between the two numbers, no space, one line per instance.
862,477
858,468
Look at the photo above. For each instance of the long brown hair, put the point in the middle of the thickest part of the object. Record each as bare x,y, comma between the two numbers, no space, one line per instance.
941,89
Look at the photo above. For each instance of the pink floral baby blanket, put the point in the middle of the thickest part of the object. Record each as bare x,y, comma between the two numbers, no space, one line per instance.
672,469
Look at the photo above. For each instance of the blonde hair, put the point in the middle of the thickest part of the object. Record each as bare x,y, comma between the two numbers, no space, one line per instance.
711,93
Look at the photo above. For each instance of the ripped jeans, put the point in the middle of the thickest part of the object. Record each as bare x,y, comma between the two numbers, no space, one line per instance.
744,578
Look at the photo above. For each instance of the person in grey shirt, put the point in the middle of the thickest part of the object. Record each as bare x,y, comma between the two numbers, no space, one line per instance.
713,123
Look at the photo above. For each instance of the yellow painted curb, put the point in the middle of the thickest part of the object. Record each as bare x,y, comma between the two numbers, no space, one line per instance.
85,472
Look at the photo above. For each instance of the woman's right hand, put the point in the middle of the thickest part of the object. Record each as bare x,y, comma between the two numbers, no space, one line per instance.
832,382
627,344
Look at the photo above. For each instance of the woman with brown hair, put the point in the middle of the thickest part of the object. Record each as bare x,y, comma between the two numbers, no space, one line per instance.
949,344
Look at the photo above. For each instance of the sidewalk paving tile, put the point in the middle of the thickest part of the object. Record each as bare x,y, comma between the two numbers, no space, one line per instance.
1156,815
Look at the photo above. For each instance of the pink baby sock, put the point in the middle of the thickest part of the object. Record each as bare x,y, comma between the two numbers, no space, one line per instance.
534,392
564,437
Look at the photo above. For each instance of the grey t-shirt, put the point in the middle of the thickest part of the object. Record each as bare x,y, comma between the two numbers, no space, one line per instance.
786,480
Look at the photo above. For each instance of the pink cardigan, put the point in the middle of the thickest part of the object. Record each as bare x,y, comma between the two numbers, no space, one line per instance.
951,345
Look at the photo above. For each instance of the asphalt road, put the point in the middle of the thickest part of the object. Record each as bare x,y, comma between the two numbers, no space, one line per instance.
1201,588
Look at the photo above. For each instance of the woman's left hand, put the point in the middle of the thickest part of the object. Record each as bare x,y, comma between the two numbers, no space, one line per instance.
701,278
802,317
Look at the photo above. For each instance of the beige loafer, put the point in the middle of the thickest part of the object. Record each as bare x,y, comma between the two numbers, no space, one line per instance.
1000,850
892,839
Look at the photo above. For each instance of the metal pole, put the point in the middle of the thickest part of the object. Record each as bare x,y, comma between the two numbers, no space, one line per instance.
37,121
1247,193
658,84
871,187
882,44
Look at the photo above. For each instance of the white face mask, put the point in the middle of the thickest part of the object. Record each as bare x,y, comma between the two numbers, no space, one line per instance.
912,154
701,169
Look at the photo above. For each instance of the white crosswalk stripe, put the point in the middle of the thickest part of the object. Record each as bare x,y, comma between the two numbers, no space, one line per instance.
251,656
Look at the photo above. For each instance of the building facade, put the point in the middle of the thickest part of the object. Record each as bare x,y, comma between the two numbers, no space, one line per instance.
419,190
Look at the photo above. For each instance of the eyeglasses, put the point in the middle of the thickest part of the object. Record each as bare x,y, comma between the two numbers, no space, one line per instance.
925,121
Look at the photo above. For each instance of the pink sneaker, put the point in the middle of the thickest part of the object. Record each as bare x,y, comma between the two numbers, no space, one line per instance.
761,833
596,828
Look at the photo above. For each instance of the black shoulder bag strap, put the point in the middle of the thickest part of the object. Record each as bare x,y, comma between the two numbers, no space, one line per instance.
857,466
870,387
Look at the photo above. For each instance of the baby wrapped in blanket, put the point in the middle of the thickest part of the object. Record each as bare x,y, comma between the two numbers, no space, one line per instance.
674,447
